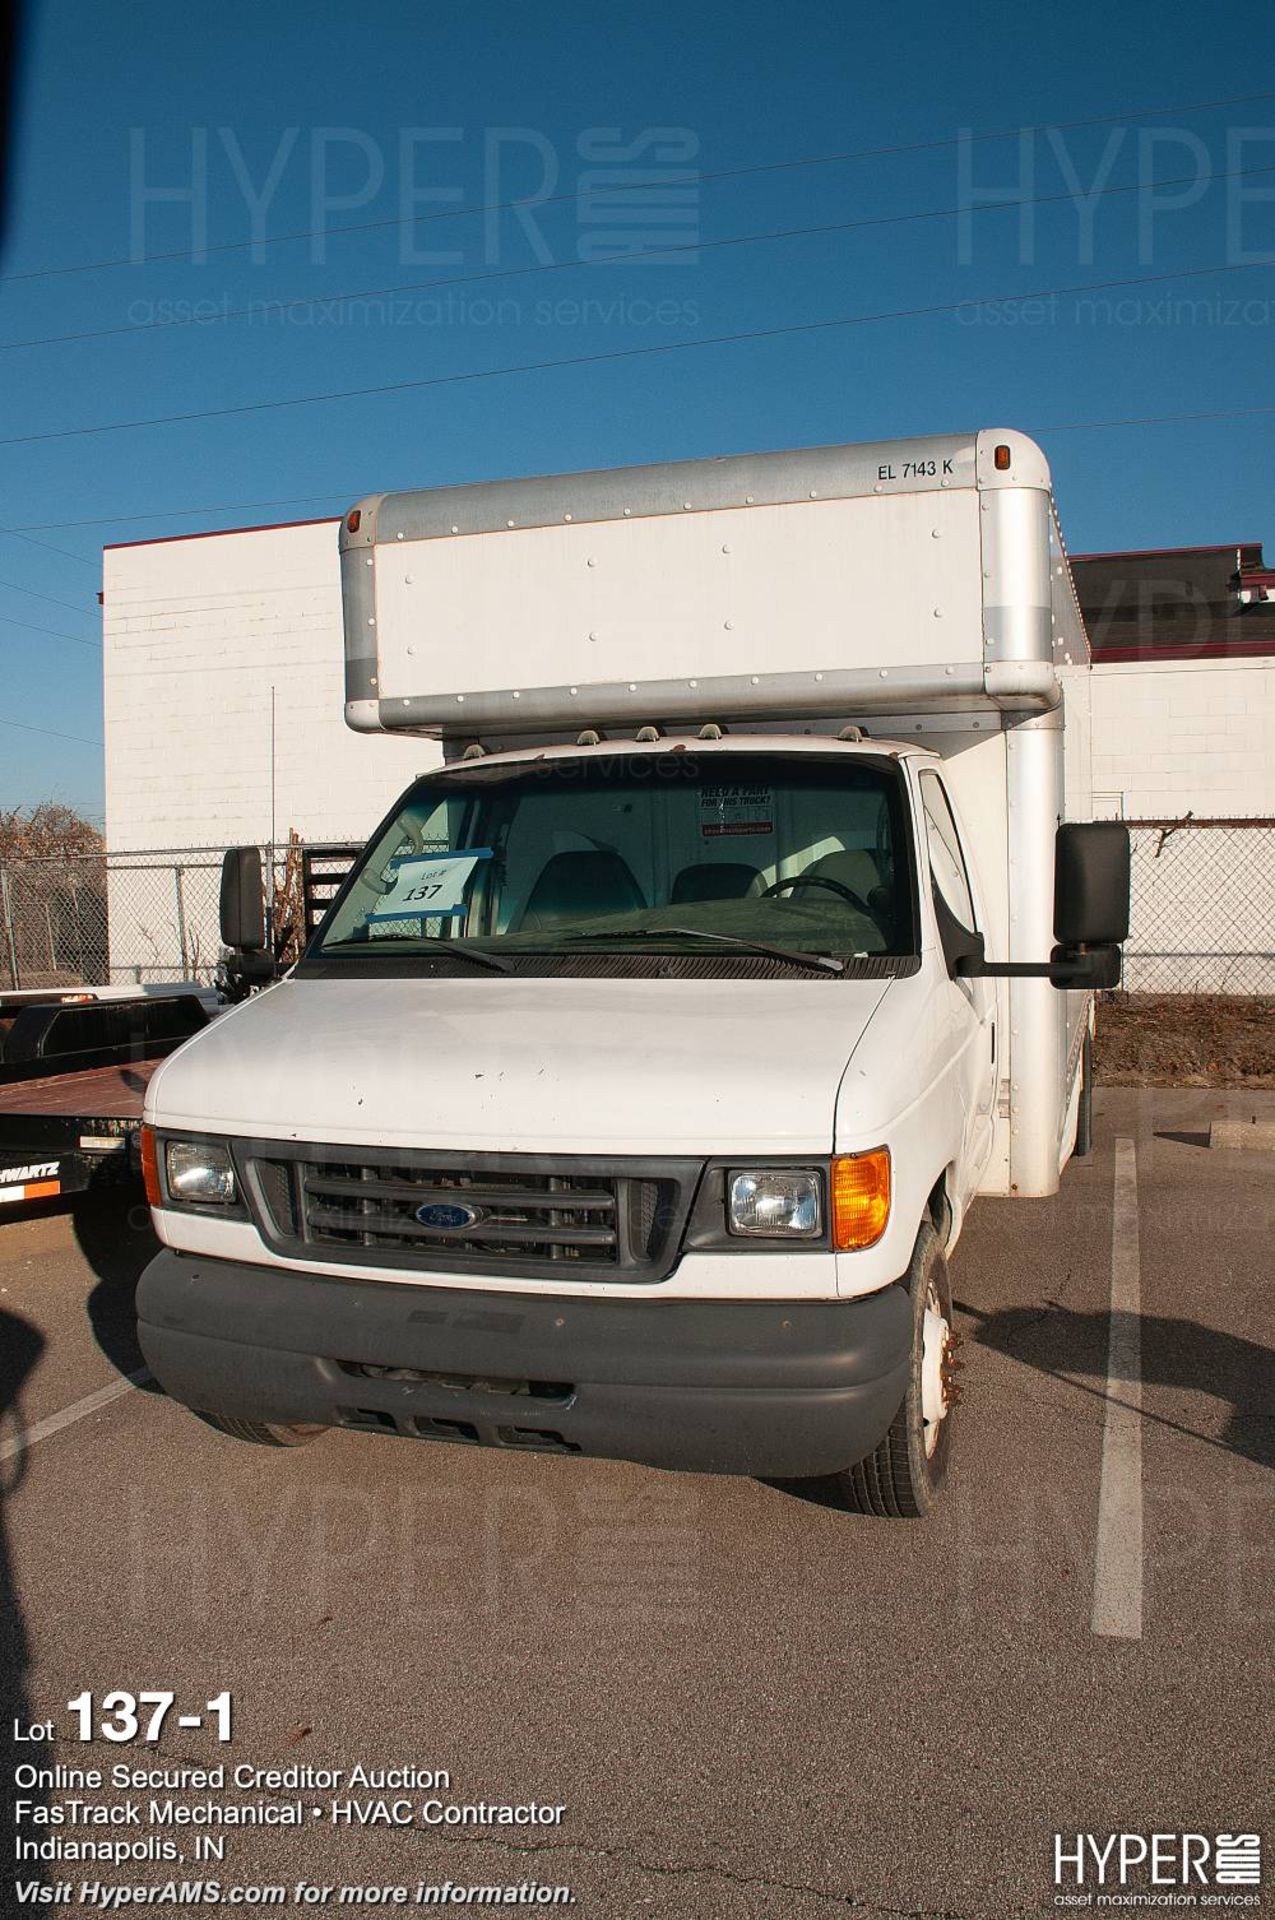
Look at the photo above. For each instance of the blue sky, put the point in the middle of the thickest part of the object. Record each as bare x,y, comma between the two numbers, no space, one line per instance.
355,108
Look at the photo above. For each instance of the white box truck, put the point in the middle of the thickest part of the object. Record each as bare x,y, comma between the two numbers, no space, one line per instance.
631,1095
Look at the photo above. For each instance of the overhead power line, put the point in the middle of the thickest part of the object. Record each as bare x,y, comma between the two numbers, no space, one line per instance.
1154,420
52,632
275,308
182,513
51,734
354,492
13,587
527,201
789,330
20,533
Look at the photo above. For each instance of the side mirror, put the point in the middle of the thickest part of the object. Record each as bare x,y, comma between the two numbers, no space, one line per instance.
1091,884
243,912
1092,969
1091,915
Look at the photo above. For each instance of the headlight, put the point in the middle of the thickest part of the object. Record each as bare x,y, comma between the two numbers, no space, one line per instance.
199,1173
775,1202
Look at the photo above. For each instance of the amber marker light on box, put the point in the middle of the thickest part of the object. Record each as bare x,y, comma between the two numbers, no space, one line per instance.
860,1198
150,1168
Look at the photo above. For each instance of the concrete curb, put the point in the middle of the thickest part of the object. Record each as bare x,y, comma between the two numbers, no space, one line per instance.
1251,1135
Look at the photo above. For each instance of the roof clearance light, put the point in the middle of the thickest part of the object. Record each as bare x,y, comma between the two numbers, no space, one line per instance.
1000,459
352,519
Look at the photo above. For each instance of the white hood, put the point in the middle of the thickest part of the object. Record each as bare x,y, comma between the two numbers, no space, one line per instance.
525,1065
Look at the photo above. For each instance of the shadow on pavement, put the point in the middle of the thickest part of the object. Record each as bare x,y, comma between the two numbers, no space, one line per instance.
114,1234
1175,1353
20,1348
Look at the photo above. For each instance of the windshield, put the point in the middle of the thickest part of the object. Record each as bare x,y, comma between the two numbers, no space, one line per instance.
678,851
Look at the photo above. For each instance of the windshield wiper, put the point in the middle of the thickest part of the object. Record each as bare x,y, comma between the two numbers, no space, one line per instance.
366,950
479,956
794,959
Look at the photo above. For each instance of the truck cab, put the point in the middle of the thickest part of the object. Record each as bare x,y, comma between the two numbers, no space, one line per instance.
635,1087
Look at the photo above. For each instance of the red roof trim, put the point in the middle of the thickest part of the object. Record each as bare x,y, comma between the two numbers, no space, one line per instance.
1164,651
1163,553
218,533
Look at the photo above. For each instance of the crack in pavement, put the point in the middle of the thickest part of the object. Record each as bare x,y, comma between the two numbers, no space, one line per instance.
685,1870
1049,1304
1065,1410
672,1870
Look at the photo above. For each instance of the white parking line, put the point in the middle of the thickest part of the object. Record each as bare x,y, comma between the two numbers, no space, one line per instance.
1117,1599
22,1442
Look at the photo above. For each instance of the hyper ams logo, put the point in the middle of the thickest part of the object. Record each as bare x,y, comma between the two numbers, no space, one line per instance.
1094,1867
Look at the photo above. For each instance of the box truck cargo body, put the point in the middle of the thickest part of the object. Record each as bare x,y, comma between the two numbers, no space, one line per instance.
636,1086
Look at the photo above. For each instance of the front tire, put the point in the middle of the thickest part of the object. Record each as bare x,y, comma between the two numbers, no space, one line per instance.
261,1433
901,1478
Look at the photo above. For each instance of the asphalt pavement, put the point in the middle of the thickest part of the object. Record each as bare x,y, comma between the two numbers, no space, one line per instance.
747,1702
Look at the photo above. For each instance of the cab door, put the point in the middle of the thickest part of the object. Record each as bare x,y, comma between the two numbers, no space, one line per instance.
972,1001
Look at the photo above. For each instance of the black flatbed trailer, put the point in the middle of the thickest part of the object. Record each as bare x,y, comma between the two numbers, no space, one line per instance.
75,1062
73,1076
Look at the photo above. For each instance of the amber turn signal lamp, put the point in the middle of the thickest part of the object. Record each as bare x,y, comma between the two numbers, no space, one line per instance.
860,1198
1000,459
150,1168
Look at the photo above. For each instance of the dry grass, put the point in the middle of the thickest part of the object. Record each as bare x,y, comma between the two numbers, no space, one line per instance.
1186,1040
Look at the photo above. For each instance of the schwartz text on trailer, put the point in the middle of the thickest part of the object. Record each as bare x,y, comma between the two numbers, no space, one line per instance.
633,1091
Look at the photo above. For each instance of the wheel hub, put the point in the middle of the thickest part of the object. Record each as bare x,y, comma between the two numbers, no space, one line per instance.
936,1395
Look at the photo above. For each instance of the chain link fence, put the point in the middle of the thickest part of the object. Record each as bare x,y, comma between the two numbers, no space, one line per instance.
1203,907
1203,911
116,919
53,922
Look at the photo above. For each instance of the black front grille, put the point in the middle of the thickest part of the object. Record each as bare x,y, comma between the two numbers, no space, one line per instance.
495,1213
538,1217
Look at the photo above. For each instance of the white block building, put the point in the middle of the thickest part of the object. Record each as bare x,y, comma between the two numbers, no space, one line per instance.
1192,736
197,632
1184,694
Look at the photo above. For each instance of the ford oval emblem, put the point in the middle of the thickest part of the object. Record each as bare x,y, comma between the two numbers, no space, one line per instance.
445,1216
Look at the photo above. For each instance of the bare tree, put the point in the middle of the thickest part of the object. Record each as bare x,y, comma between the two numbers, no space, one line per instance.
52,897
47,831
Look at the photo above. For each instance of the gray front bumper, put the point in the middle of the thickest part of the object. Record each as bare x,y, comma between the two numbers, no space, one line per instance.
771,1388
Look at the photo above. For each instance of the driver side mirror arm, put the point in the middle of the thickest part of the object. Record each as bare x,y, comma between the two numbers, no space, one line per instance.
1091,916
1082,967
1085,968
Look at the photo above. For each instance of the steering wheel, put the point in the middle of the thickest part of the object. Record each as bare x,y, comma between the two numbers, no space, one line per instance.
817,880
